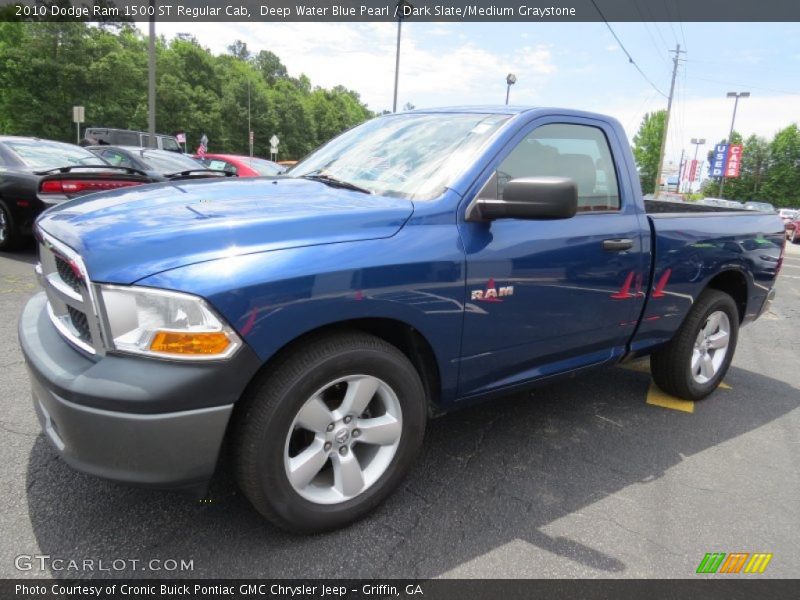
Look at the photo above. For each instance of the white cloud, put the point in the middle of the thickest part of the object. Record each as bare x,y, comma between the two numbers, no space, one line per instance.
710,118
362,57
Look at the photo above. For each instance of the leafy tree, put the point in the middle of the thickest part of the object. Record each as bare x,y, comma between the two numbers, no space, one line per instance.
647,148
782,180
755,157
239,50
270,66
48,67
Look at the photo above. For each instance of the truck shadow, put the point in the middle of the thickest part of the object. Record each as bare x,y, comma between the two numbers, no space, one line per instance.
26,253
488,476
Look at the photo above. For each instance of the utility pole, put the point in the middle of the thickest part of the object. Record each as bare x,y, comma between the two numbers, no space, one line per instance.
680,171
151,79
675,61
249,127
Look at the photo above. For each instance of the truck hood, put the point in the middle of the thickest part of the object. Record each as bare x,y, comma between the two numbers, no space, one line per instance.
126,235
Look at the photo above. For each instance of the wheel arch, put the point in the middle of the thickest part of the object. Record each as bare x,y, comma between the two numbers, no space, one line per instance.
403,336
734,283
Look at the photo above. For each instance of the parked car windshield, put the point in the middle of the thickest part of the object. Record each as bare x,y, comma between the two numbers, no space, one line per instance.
40,154
263,167
408,155
759,206
168,143
165,162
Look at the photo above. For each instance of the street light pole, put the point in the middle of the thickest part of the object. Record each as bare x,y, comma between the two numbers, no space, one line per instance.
401,8
735,95
511,79
697,143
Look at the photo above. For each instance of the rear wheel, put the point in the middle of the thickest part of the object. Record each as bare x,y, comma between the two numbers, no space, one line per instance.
328,434
793,236
693,364
9,236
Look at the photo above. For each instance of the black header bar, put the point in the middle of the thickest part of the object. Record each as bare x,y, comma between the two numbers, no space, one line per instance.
276,11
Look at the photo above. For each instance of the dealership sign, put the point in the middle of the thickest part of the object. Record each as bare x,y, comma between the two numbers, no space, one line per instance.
726,161
691,173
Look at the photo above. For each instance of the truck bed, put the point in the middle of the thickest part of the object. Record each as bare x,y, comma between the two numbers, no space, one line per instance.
663,207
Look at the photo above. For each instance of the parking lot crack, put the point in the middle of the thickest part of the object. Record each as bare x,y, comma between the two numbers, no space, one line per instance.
642,536
6,427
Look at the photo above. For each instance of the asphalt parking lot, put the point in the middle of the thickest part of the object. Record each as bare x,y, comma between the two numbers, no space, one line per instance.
583,478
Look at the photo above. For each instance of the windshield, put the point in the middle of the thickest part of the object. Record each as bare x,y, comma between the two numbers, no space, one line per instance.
165,162
263,167
168,143
40,154
409,155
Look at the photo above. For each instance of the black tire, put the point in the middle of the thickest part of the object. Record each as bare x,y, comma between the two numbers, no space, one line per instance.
671,366
9,234
268,410
793,237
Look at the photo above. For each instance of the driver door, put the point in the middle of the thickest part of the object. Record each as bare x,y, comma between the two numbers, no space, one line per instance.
548,296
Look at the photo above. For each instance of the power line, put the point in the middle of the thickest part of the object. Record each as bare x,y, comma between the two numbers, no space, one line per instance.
745,85
628,54
650,36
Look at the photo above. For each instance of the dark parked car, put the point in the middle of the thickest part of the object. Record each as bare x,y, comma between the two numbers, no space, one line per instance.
103,136
159,165
36,174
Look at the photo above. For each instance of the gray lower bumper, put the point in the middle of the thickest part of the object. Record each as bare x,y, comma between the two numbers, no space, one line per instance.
171,449
131,420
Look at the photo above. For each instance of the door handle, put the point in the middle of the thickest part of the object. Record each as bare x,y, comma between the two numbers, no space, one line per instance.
618,245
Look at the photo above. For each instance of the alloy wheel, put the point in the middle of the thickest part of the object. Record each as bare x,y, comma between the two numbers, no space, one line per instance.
343,439
711,347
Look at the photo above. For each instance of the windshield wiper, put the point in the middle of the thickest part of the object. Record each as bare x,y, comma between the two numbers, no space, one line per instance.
335,182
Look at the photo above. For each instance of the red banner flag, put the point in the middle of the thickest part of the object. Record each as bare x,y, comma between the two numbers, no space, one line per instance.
734,162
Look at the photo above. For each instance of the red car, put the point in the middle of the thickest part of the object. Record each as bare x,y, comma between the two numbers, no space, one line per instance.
793,230
243,166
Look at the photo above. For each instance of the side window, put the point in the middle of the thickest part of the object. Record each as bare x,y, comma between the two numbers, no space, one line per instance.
580,152
116,158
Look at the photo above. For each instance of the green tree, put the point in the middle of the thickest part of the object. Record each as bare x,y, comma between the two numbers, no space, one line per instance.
48,67
782,180
647,148
270,66
755,158
239,50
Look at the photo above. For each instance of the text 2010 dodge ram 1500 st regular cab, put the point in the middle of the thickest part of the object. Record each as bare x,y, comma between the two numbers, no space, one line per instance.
416,263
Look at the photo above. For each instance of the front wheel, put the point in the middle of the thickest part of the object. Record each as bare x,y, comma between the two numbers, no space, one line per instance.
327,435
9,236
694,363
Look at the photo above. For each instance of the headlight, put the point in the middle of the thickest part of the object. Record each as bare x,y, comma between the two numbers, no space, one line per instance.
165,324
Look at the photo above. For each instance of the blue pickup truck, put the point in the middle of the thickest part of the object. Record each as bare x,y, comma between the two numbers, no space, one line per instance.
313,322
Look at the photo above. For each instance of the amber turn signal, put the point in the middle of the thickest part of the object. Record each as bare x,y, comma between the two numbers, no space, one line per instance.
189,342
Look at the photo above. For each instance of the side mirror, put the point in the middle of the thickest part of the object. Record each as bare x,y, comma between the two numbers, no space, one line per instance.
529,198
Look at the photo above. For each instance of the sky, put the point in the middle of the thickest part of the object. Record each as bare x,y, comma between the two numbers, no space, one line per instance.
573,65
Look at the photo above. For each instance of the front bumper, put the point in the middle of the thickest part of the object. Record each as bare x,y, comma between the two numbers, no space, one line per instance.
138,421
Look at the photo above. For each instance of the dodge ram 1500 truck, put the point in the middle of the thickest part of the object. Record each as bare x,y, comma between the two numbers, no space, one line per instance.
417,263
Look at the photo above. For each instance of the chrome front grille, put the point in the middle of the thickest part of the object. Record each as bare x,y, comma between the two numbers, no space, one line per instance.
69,273
70,302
